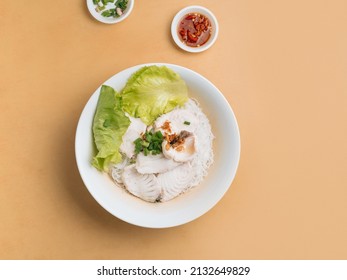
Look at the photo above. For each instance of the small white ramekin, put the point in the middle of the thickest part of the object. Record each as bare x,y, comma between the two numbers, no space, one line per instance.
194,9
110,20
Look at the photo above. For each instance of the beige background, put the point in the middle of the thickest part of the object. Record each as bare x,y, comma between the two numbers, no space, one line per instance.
282,65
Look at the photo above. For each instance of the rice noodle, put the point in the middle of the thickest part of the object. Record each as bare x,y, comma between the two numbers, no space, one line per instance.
204,155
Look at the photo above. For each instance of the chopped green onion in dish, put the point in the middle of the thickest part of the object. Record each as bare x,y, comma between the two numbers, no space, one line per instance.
110,8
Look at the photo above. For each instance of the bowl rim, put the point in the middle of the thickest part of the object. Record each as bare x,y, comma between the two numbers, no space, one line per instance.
122,215
105,20
178,17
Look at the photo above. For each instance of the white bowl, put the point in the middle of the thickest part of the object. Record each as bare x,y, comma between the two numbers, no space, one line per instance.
187,206
194,9
110,20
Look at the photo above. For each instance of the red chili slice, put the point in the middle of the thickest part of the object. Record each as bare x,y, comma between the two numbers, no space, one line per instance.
192,37
189,17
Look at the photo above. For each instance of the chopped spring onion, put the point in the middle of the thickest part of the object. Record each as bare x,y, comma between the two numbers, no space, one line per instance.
149,143
115,9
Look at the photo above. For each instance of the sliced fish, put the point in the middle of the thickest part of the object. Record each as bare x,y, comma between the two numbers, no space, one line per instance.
182,152
175,181
117,170
134,131
154,164
175,121
144,186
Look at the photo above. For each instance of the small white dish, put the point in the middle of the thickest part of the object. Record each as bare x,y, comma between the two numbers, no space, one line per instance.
200,10
109,20
188,206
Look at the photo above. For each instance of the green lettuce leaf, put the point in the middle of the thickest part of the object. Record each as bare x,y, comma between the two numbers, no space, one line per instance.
153,91
109,125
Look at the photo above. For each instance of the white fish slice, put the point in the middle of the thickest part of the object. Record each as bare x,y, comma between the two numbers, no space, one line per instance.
175,181
179,119
116,170
134,131
144,186
154,164
183,152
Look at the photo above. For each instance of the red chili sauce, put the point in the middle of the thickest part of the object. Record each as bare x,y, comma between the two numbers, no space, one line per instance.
194,29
